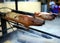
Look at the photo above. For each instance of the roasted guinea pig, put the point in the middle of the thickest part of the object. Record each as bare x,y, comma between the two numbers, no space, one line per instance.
44,15
26,20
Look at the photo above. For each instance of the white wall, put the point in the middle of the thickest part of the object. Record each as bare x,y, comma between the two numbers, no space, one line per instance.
24,6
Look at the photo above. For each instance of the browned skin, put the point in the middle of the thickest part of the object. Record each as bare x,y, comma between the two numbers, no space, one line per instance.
26,20
44,16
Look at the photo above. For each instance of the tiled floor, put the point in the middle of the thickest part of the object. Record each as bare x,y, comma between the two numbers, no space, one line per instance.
21,36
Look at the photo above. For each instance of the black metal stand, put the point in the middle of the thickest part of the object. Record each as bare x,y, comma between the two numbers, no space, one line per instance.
4,26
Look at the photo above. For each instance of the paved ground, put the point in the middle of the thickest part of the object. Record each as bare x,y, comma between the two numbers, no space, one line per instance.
21,36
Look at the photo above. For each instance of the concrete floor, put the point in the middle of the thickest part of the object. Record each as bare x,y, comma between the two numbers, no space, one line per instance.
21,36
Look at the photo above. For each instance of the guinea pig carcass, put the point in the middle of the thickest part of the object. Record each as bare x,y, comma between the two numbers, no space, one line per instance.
26,20
44,15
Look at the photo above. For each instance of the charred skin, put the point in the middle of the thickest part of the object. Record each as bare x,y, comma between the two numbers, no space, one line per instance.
26,20
44,16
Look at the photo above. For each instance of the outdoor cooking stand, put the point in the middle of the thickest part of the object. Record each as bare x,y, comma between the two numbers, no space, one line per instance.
4,26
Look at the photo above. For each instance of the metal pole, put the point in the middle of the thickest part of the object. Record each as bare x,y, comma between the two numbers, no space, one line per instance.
16,4
4,26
